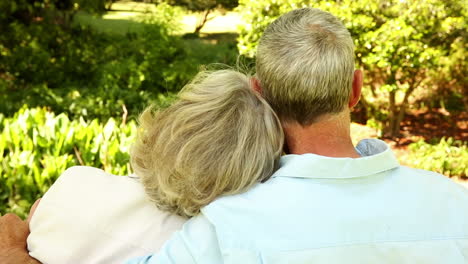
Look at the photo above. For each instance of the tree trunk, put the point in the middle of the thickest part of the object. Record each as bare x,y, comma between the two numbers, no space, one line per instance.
202,21
109,5
399,119
402,111
392,115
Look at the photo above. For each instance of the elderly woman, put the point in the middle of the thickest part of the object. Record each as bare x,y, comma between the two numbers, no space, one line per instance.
219,138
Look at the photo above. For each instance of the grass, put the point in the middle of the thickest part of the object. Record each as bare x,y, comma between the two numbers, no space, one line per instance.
115,26
220,51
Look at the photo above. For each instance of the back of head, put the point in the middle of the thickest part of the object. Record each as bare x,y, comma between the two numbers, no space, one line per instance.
305,65
219,138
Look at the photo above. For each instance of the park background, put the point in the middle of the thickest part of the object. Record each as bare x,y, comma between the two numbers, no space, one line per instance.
75,74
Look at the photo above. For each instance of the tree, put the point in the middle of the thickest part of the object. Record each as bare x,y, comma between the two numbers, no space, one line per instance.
206,7
399,45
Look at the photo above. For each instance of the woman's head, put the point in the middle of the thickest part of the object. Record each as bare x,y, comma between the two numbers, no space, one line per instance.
220,137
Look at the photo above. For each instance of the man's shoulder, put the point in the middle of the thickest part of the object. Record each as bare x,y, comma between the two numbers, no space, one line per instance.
431,191
427,179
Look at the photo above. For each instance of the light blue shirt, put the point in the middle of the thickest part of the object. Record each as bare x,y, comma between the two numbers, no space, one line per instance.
318,209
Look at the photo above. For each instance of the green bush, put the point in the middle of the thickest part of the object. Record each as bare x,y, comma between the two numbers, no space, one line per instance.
84,73
447,156
77,70
36,146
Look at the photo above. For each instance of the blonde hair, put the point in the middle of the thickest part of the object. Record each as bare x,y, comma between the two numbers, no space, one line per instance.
305,65
219,138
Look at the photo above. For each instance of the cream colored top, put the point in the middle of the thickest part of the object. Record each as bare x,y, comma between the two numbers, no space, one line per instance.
89,216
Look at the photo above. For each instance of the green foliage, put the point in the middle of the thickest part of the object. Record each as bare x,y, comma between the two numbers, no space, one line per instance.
77,70
402,46
401,49
166,14
223,52
448,156
36,146
60,11
84,73
256,17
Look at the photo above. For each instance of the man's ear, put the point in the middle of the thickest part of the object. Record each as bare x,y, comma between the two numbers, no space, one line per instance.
255,83
356,89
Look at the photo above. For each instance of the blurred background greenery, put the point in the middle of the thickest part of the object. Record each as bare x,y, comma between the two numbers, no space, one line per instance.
74,75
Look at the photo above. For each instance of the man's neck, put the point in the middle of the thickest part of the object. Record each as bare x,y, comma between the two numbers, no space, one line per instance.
328,136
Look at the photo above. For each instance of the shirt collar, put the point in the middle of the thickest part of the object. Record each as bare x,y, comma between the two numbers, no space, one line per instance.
376,157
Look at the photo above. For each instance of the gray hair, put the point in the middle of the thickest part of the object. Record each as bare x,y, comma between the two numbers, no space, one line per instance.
305,65
221,137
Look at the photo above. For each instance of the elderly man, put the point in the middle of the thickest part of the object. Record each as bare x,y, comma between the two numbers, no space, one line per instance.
329,202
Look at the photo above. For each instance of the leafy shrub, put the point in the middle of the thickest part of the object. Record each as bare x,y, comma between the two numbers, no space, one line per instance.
36,146
84,73
77,70
448,156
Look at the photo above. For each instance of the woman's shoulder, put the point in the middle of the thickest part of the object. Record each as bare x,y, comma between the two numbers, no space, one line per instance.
90,180
78,181
96,215
82,173
101,198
